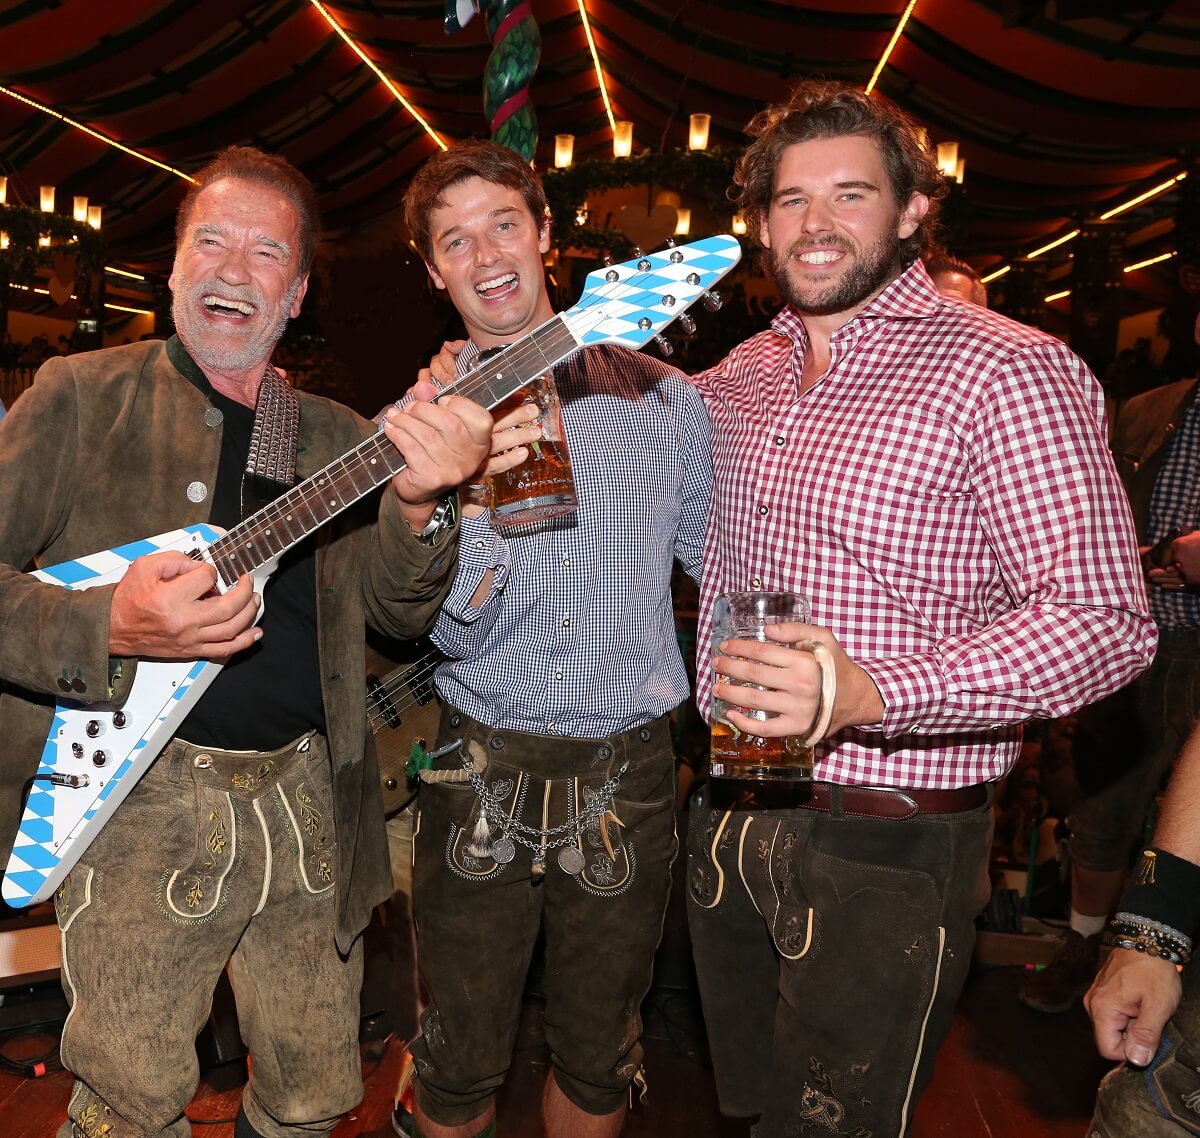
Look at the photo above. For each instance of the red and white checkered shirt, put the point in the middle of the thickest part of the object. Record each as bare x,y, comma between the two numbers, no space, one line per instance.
945,498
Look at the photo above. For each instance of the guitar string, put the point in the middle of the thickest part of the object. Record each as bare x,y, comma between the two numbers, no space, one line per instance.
355,461
381,707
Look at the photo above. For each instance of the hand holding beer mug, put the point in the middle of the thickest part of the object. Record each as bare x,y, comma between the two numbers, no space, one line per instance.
542,486
738,754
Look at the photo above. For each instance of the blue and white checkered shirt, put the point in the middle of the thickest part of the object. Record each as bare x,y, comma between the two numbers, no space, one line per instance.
577,637
1175,506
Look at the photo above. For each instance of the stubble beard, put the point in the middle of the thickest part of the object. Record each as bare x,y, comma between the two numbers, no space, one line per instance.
203,344
869,271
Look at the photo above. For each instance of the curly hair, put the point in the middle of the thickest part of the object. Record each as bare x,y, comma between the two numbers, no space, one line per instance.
821,108
474,158
249,164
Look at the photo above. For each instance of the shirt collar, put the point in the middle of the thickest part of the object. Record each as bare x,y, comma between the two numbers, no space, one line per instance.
911,296
187,367
466,359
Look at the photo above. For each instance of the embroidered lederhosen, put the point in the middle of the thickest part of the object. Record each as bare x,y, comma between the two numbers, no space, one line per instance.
569,810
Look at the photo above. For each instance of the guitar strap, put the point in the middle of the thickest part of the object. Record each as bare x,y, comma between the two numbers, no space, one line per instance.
271,460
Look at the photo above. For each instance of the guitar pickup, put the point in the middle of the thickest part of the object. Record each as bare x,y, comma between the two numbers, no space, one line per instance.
382,702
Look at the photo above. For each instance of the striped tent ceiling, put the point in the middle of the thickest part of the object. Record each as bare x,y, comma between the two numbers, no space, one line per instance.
1059,112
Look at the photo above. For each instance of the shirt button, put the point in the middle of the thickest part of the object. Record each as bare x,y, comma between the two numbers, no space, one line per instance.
479,544
566,622
763,510
566,561
558,675
780,440
756,582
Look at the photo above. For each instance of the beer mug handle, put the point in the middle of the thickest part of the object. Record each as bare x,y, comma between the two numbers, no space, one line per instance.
824,711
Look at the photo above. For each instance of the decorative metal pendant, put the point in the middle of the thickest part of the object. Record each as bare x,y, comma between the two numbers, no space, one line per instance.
570,860
537,870
503,850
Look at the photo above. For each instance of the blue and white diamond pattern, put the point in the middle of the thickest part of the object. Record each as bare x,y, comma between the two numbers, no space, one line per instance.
611,311
59,822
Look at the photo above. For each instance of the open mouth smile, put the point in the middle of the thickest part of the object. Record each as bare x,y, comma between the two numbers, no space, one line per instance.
497,286
224,307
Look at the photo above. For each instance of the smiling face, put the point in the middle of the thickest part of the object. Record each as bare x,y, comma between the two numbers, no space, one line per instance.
235,278
487,255
833,227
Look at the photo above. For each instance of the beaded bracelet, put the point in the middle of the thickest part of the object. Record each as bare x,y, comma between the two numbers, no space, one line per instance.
1128,926
1165,891
1150,947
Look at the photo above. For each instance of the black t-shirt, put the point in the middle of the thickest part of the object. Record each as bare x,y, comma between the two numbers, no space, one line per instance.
271,693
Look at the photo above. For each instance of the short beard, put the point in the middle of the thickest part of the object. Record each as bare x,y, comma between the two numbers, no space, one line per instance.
226,359
870,271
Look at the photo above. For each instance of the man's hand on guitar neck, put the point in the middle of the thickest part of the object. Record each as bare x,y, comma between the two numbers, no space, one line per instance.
165,608
511,434
443,444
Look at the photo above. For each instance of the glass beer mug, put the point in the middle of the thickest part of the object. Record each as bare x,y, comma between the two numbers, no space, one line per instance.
739,754
542,487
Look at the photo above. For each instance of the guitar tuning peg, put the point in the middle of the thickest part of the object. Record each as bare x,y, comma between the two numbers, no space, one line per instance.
664,345
712,300
607,259
670,242
687,324
636,251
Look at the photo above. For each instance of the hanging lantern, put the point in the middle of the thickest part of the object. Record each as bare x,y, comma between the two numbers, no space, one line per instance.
622,138
947,158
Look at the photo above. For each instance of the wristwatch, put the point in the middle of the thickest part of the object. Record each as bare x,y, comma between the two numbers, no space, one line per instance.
444,516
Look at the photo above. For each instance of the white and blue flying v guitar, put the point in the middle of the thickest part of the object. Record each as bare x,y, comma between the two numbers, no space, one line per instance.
95,753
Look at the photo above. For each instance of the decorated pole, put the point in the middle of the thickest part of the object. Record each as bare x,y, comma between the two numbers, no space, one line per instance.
516,52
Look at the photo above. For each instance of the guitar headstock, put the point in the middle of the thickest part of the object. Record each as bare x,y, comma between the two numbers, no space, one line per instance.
632,302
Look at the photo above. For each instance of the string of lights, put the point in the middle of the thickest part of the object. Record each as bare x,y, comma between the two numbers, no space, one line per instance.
587,31
887,51
405,103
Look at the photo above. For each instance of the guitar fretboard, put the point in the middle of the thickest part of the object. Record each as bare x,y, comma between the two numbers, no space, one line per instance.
306,507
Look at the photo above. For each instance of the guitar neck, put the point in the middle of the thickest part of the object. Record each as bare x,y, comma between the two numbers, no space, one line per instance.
273,530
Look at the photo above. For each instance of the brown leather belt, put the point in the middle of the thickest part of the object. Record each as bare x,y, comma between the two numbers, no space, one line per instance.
888,802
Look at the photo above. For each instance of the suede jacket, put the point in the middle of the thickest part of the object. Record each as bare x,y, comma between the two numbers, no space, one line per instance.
111,446
1143,427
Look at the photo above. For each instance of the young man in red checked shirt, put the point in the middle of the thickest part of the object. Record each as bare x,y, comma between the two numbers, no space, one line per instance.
934,477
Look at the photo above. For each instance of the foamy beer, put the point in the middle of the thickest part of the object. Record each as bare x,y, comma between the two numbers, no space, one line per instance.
542,486
740,754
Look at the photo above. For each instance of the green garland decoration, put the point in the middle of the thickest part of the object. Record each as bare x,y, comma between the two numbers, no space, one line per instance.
24,256
703,174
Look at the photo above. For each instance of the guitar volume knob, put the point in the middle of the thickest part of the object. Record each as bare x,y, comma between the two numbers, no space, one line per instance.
119,719
93,728
99,758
